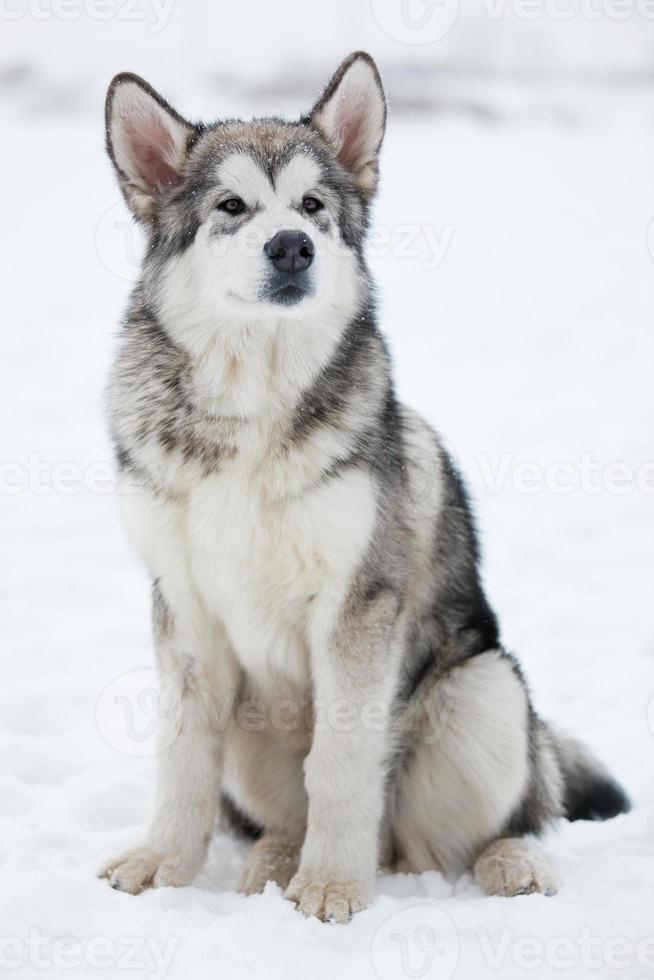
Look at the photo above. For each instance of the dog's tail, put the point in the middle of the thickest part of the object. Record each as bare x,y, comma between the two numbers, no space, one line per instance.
590,792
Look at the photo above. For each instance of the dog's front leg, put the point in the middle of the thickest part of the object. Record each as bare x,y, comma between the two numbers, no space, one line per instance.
353,662
195,703
198,681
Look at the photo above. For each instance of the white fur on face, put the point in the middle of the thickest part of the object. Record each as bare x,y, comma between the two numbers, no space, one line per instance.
221,276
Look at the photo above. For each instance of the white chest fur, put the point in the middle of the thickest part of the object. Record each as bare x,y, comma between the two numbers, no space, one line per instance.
259,562
256,561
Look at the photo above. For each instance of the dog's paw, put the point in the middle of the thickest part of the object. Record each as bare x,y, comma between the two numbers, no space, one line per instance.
329,900
143,867
513,866
269,860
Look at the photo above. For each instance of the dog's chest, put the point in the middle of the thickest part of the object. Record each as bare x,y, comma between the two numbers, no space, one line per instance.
256,569
260,562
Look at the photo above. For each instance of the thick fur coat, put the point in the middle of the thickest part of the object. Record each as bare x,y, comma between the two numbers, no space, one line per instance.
334,673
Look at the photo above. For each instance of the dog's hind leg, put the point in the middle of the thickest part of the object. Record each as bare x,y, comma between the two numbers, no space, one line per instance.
478,769
514,866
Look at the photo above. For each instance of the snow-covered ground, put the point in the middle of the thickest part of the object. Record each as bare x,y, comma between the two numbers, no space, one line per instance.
517,289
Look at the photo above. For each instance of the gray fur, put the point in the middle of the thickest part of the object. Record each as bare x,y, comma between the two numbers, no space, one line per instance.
406,624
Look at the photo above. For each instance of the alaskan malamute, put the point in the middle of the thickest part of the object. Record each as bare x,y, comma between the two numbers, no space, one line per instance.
332,673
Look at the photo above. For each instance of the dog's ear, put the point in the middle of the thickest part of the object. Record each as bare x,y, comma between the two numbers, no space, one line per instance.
147,141
351,113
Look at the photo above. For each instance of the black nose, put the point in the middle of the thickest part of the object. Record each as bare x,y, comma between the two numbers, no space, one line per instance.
290,251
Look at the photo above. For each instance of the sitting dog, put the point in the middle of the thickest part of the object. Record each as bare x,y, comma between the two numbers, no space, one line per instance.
332,674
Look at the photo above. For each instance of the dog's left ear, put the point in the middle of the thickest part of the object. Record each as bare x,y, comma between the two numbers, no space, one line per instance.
351,113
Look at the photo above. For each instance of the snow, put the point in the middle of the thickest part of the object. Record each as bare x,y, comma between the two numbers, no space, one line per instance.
527,339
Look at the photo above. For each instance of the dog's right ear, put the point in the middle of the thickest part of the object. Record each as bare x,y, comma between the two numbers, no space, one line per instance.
147,141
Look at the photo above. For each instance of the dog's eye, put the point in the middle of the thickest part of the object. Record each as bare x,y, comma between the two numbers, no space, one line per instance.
312,204
233,205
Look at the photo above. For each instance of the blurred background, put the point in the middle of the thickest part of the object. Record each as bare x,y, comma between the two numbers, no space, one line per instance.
513,247
58,54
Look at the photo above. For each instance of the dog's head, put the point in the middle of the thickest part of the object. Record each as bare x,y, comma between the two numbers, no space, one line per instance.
249,219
